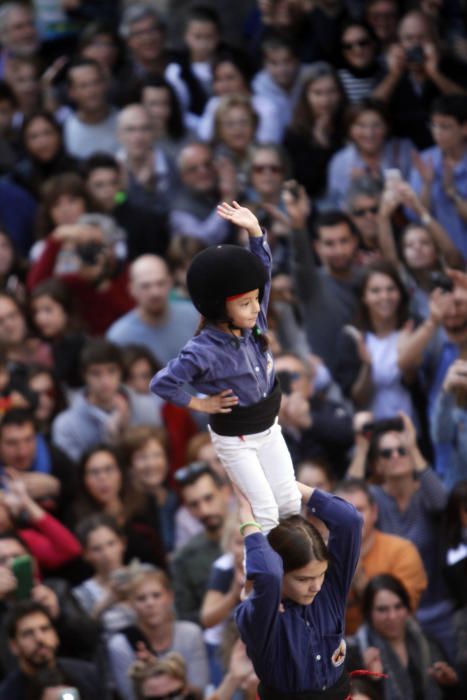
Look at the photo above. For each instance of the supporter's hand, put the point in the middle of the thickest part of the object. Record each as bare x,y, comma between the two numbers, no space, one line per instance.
143,654
409,434
217,403
37,485
449,184
240,666
297,204
372,660
227,175
425,168
241,217
431,58
119,418
245,511
8,582
48,598
396,59
359,340
459,278
407,196
456,377
388,203
49,75
443,673
439,303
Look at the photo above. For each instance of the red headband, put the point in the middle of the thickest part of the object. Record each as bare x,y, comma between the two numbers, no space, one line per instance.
236,296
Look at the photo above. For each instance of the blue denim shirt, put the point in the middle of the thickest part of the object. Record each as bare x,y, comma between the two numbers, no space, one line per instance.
293,650
215,360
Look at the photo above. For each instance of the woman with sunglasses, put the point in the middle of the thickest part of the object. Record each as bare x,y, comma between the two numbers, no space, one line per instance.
161,679
360,71
411,499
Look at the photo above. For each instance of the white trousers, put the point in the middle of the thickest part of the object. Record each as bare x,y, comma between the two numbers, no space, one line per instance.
261,466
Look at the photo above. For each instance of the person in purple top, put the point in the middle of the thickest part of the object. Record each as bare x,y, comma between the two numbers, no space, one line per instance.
293,622
229,362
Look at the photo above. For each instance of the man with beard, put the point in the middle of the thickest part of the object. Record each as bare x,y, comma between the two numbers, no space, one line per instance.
161,325
328,293
34,641
206,496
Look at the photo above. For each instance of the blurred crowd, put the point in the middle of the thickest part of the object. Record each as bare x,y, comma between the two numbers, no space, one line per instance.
343,125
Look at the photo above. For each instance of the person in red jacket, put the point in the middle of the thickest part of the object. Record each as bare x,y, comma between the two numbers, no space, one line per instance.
84,256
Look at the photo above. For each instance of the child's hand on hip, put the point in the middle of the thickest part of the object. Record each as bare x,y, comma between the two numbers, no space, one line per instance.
218,403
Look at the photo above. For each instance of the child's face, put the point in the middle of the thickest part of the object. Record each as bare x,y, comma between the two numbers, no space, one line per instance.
149,465
282,66
243,311
447,132
104,550
202,39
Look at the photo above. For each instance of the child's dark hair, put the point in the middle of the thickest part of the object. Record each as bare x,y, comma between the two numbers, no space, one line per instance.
297,542
175,125
383,582
203,13
101,352
454,106
93,522
273,41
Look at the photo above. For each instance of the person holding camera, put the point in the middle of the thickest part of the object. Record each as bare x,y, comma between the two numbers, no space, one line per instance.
97,275
416,75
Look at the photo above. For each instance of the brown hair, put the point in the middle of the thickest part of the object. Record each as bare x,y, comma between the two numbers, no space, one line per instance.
382,267
229,102
55,187
297,542
173,665
157,575
137,436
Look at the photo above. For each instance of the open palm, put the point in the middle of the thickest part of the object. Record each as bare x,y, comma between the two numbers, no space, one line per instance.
237,215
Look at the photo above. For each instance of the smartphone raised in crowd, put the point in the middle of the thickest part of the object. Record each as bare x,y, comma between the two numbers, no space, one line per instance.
22,569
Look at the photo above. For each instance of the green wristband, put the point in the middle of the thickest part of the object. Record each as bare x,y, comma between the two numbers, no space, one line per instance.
250,522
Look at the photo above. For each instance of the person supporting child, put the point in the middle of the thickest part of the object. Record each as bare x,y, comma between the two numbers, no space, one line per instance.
228,361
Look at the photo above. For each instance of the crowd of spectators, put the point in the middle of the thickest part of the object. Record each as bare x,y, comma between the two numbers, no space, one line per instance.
343,125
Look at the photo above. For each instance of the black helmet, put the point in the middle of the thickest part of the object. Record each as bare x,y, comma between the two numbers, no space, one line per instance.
223,271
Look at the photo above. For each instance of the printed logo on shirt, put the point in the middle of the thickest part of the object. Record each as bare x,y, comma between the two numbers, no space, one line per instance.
338,656
269,363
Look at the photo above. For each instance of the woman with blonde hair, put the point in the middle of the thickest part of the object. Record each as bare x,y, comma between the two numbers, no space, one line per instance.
161,678
155,633
235,125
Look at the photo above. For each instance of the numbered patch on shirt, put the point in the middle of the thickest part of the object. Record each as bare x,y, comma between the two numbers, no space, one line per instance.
338,656
269,363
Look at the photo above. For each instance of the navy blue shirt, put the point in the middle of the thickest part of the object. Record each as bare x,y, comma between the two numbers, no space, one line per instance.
293,650
213,360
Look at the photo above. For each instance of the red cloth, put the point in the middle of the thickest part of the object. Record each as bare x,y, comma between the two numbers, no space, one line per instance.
180,428
98,308
50,542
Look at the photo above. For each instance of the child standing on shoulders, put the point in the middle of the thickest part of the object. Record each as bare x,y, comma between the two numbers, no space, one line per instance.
229,361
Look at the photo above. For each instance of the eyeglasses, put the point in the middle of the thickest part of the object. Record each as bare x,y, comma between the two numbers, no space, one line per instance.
364,212
195,167
439,127
174,695
357,44
193,469
387,452
266,167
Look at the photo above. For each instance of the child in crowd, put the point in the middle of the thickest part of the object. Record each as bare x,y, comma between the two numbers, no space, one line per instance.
191,74
440,173
228,361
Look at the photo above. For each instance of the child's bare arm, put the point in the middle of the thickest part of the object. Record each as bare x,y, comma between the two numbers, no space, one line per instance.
240,216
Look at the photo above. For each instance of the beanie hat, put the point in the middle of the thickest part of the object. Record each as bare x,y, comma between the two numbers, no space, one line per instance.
223,271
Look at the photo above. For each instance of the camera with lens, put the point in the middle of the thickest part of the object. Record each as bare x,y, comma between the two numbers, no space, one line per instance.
415,55
440,280
384,425
89,253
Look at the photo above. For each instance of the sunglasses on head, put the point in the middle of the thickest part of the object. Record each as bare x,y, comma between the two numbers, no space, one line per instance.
193,469
364,212
387,452
358,44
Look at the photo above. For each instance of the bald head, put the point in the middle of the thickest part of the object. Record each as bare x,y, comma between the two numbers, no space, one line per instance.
196,167
150,285
134,130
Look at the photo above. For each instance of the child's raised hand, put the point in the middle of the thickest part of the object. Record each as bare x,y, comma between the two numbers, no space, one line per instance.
240,216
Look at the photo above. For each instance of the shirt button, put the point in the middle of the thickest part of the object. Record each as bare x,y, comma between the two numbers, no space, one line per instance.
313,510
307,623
264,394
256,368
318,657
324,687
